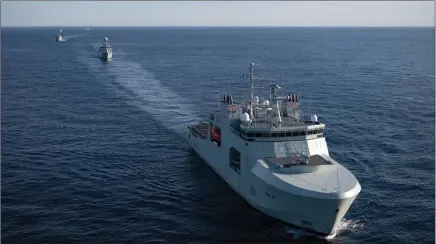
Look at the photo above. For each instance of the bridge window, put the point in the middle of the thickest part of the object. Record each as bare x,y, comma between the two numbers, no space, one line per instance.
314,132
280,134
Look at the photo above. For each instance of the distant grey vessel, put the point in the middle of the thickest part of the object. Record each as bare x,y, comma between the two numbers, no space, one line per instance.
105,51
276,160
59,36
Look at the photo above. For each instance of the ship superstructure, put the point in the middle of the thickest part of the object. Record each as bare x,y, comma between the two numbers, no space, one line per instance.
276,159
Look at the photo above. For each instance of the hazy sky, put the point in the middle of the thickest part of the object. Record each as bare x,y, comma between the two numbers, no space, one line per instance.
225,13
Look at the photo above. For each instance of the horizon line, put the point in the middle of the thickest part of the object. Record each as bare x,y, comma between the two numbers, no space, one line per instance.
227,26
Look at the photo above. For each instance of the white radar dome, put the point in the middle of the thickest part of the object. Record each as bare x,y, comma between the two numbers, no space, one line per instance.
105,39
314,118
265,102
245,117
256,99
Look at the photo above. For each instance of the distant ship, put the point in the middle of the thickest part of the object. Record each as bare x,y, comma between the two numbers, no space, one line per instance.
59,36
105,51
276,159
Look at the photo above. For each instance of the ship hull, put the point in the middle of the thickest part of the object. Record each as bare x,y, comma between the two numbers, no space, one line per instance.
315,215
105,56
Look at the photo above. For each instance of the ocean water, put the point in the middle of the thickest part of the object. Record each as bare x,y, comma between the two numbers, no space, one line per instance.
96,152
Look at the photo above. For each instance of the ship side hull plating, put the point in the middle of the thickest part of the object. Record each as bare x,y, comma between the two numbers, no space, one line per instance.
105,56
313,214
105,53
316,215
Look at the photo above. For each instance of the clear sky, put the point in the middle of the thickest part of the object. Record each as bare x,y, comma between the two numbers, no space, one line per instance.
211,13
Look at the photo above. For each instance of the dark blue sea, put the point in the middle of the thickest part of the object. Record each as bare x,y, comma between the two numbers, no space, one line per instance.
96,152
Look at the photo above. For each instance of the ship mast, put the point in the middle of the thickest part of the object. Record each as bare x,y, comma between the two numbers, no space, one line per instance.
250,85
251,81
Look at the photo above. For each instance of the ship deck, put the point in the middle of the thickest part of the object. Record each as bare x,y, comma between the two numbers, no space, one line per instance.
314,160
200,128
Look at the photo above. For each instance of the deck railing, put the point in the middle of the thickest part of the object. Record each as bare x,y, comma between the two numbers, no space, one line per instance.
275,134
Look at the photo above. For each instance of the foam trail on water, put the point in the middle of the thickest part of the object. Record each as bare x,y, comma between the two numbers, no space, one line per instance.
69,37
344,226
162,103
147,93
66,38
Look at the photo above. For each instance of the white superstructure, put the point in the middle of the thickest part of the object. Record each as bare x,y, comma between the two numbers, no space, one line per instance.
276,159
105,51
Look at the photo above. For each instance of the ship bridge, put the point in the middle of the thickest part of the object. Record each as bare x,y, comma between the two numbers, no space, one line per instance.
261,130
282,123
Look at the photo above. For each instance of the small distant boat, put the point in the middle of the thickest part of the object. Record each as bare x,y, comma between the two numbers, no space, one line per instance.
59,36
87,28
105,51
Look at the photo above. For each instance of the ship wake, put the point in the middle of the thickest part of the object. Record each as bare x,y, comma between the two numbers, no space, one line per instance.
344,226
69,37
146,92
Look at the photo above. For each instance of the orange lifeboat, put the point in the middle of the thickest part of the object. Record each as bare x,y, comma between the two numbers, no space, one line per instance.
216,135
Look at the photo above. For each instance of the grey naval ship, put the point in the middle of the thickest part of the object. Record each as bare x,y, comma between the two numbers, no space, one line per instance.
59,37
105,51
276,159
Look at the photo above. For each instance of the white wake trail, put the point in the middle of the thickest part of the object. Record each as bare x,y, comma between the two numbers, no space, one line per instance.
146,92
344,226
